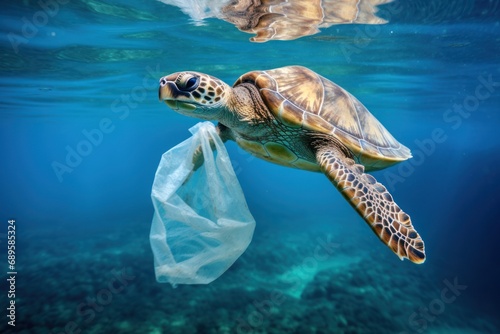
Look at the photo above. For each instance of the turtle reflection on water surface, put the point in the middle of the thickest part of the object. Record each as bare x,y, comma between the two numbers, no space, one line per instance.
294,117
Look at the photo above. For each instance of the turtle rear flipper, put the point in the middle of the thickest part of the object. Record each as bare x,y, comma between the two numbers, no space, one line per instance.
374,203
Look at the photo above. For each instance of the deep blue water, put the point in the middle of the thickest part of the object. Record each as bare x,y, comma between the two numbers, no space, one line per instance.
90,69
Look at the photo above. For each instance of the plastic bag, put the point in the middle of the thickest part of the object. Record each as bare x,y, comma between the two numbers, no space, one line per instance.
201,223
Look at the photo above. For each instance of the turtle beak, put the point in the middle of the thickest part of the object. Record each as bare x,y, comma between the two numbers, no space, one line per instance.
167,89
169,93
180,106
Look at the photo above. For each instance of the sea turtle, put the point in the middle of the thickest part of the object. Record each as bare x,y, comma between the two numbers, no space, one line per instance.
294,117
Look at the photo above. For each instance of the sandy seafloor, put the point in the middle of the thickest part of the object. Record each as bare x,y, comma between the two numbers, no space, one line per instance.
287,281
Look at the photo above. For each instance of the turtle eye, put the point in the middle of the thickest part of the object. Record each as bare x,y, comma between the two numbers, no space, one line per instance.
189,84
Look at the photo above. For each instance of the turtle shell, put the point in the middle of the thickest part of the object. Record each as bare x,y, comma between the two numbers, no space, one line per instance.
299,97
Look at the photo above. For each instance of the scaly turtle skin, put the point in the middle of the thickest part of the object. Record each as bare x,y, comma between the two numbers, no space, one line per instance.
294,117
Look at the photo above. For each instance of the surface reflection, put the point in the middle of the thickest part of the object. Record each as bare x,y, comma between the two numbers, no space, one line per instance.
282,20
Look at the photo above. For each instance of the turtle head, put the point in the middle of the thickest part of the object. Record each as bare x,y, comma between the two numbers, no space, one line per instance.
194,94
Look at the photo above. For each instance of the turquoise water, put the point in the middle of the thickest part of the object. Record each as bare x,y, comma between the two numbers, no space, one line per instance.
82,133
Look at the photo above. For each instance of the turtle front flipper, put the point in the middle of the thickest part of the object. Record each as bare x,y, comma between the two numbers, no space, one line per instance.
374,203
198,159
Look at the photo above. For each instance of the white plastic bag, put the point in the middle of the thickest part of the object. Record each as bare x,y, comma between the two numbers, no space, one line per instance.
201,223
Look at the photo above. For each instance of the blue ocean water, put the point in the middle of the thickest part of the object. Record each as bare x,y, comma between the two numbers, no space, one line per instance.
82,133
